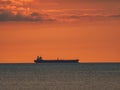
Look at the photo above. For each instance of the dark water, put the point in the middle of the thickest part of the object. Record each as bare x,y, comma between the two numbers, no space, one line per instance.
60,76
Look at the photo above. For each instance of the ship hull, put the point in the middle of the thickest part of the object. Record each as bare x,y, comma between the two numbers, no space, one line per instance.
56,61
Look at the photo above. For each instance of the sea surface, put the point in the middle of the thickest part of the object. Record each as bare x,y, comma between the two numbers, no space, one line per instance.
60,76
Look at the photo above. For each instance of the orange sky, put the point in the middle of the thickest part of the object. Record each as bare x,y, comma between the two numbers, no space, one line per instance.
83,29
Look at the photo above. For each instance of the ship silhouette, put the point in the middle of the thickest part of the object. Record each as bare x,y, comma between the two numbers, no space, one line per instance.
39,59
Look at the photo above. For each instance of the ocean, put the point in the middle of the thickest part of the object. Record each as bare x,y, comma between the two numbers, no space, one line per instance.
60,76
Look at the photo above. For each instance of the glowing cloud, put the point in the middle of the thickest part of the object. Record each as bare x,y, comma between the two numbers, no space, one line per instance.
32,10
20,10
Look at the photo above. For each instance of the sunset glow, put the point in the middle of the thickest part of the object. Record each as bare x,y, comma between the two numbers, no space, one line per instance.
82,29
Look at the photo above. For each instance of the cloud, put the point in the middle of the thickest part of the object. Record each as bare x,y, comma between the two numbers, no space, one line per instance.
6,15
115,16
77,17
5,2
83,14
28,10
21,10
89,0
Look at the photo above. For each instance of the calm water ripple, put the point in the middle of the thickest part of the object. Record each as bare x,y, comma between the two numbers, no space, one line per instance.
60,76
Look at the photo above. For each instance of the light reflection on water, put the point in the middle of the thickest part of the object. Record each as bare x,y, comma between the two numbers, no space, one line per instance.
59,76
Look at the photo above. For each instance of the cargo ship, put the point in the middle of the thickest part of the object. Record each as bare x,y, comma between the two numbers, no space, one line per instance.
40,60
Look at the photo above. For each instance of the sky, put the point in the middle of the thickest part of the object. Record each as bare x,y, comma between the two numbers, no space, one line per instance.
87,30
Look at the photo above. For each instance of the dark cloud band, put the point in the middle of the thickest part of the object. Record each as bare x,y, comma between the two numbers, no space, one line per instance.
6,15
